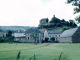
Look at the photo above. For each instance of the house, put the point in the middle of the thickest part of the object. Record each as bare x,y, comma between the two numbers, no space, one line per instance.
19,36
70,36
2,33
54,33
32,30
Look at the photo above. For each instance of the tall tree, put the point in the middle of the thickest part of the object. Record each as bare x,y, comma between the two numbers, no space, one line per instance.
9,33
55,20
76,9
72,23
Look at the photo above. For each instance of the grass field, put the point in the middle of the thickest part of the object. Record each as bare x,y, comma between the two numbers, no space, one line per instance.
46,51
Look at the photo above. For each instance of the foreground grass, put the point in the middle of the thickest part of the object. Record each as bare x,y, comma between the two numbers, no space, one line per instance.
46,51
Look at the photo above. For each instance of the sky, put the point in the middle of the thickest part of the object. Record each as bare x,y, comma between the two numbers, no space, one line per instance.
30,12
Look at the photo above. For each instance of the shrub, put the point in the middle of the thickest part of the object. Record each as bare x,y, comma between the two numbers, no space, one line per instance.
53,39
46,39
56,41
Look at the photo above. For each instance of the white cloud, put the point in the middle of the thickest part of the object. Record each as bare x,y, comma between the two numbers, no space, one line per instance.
29,12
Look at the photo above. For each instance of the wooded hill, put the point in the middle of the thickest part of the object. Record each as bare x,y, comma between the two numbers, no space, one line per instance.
14,27
56,23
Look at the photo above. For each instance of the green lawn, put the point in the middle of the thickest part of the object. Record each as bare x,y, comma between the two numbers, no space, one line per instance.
45,51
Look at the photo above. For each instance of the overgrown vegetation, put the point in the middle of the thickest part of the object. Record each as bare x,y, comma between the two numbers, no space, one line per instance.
8,38
57,23
18,56
46,39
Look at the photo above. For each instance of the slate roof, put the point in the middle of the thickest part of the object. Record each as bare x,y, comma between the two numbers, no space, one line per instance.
18,34
1,30
55,32
20,31
33,30
43,19
68,33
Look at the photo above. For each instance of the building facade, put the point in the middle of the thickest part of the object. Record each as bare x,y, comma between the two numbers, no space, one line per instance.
70,36
32,40
44,20
19,36
2,33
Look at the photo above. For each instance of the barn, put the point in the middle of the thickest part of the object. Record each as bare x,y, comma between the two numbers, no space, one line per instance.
70,36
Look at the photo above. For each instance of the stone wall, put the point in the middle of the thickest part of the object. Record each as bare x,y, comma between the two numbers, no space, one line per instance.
65,40
54,35
31,40
20,39
1,34
76,36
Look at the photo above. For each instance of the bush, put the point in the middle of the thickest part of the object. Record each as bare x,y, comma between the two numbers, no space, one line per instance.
2,39
60,25
65,29
56,41
53,39
46,39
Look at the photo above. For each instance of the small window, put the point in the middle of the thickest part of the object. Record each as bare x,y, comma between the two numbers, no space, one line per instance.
28,38
59,35
50,35
55,35
28,34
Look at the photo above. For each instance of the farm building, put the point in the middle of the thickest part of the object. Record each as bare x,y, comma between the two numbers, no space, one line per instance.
54,33
2,33
70,36
33,30
20,37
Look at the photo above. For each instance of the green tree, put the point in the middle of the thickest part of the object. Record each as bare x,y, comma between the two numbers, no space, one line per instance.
63,20
72,23
55,20
9,36
47,20
9,33
76,9
34,35
46,39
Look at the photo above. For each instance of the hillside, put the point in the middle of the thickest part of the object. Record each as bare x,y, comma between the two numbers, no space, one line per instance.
56,23
15,27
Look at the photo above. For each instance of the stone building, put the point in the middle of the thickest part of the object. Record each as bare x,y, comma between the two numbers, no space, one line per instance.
33,30
20,37
44,20
2,33
70,36
54,33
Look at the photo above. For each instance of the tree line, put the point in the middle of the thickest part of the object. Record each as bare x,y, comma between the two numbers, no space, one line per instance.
56,22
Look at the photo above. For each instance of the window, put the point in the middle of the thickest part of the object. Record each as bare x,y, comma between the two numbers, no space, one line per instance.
28,34
55,35
50,35
28,38
59,35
